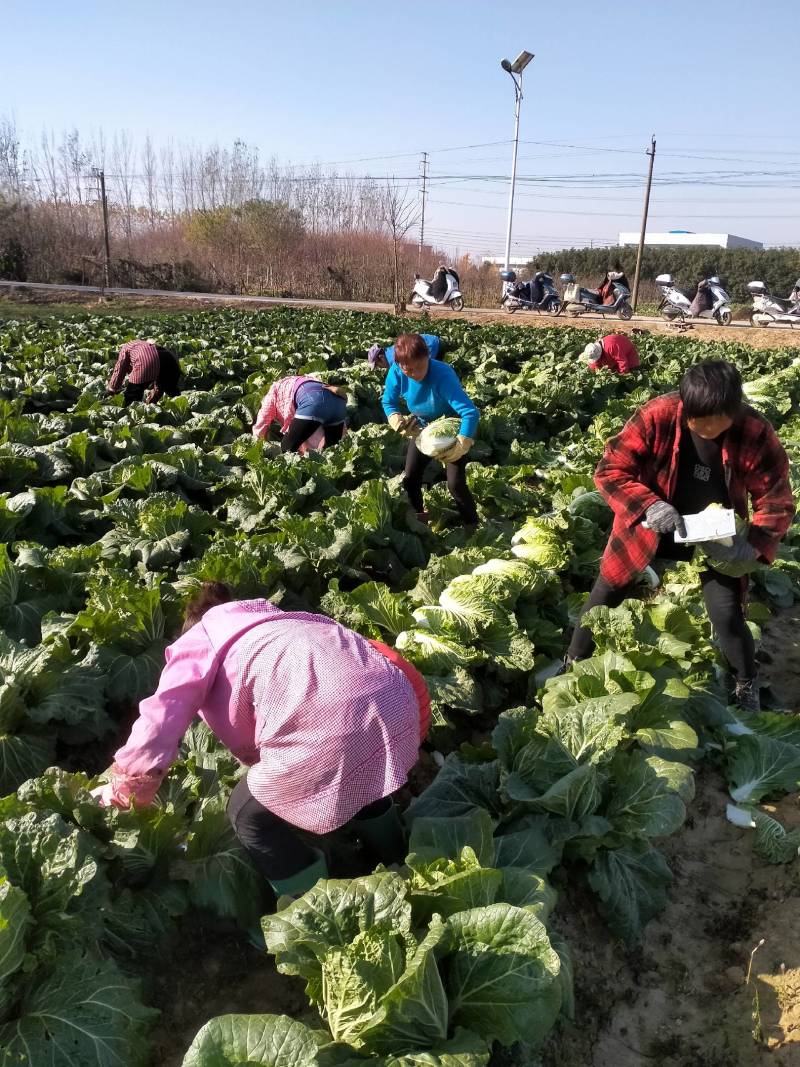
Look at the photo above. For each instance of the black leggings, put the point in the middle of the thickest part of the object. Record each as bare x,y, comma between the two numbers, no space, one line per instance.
725,607
275,846
169,374
417,461
301,429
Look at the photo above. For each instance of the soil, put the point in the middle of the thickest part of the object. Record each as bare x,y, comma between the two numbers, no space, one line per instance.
682,998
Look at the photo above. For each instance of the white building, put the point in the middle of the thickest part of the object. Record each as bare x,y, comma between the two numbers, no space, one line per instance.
514,262
686,237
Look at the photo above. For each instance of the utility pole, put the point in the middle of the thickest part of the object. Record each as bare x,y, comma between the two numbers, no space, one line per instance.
101,176
652,154
424,175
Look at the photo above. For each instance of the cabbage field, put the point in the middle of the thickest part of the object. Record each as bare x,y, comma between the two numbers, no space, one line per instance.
534,789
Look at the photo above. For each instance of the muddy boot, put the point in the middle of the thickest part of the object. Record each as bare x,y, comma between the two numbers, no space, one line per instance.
747,696
383,836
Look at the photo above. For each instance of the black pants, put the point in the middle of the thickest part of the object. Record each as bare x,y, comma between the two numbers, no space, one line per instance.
301,429
169,374
276,847
417,461
724,604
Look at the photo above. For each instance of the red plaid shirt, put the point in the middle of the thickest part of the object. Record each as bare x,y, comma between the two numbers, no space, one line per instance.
640,466
138,361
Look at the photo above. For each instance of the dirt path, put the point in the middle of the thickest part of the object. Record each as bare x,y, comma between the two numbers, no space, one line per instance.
681,999
142,300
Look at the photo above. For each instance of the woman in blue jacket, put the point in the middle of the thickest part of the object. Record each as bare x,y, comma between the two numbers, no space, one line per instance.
430,389
383,358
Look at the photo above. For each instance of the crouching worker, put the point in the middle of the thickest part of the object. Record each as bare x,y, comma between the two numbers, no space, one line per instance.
311,413
380,358
150,370
615,351
328,722
679,454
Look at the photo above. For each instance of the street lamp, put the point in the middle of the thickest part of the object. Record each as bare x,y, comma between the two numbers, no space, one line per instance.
515,70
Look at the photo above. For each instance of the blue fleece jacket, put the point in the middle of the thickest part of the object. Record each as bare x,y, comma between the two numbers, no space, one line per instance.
430,339
439,393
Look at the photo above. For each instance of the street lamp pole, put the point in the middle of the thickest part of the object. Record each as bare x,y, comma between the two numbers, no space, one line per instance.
515,70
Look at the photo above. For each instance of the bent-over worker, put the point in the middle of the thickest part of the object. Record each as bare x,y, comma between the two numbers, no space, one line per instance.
311,414
430,389
615,351
328,722
149,369
679,454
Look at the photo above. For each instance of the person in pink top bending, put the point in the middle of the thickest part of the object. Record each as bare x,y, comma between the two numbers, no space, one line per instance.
311,414
328,723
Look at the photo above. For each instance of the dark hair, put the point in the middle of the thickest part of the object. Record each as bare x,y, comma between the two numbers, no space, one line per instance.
208,596
410,346
713,388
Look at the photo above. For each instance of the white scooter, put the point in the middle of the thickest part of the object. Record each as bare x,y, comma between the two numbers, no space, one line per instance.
676,305
770,310
421,295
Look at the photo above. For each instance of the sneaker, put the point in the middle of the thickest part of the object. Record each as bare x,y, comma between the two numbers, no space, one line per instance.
747,696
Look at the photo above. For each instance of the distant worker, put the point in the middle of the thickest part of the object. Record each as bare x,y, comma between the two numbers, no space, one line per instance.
150,370
430,389
381,358
328,723
311,414
615,351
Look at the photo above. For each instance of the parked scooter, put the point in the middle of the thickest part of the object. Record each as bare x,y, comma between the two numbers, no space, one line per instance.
711,301
444,290
771,310
580,301
538,294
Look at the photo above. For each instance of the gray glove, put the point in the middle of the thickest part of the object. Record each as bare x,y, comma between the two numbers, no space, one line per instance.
741,551
664,518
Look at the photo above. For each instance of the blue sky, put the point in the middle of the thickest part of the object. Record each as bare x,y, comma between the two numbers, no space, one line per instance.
350,81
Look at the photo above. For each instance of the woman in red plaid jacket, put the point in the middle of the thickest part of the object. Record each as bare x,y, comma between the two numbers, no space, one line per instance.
678,454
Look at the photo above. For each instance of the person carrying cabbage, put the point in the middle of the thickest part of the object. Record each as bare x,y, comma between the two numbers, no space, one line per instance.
381,358
440,423
679,454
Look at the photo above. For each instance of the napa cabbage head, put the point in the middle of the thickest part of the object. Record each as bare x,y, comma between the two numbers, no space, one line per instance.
733,570
438,436
540,541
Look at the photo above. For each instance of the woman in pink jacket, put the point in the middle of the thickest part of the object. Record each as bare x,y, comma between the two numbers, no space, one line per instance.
328,723
311,414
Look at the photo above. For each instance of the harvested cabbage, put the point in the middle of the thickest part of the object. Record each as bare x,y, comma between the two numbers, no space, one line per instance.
733,570
438,437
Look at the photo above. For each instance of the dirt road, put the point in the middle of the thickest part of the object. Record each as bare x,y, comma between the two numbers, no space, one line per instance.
163,299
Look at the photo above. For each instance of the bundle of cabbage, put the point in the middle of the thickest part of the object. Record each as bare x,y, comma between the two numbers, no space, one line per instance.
438,437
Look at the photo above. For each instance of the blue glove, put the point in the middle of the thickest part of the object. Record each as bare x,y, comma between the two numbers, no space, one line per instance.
741,551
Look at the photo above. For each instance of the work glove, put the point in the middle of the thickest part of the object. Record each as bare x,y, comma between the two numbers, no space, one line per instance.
406,425
104,795
741,551
664,518
459,449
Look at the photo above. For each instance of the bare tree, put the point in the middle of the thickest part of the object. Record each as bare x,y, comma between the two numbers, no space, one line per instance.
399,213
